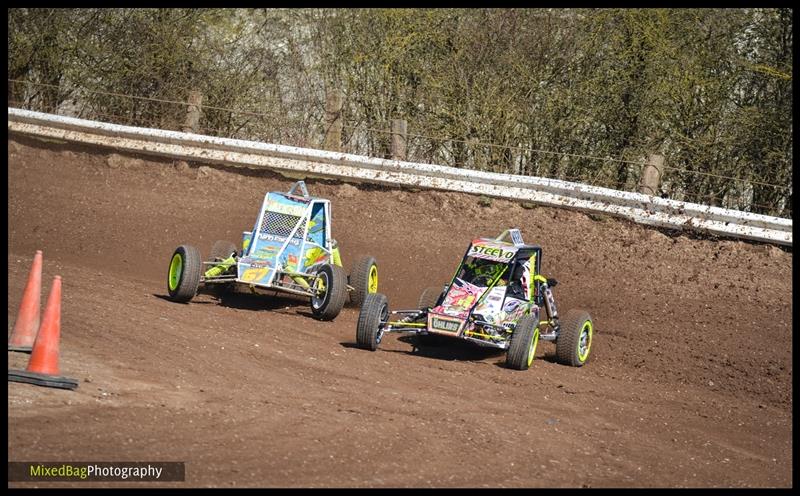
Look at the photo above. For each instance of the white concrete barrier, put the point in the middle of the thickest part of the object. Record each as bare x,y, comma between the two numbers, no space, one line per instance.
638,207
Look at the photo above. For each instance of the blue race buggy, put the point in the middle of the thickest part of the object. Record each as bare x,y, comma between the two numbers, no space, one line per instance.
497,298
289,250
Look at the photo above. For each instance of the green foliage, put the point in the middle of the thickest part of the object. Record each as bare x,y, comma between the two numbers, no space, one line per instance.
577,94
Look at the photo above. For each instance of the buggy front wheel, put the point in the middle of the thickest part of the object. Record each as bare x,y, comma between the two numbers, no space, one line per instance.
330,292
574,338
183,277
524,339
373,315
363,279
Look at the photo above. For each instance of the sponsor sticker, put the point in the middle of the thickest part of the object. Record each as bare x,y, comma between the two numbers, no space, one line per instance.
492,251
445,325
286,208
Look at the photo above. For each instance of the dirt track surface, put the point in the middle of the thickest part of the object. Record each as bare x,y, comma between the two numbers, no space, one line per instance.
689,382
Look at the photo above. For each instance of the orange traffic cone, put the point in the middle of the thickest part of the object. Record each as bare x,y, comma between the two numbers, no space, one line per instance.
43,366
24,333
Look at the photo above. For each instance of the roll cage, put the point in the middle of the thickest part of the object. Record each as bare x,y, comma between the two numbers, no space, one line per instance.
512,268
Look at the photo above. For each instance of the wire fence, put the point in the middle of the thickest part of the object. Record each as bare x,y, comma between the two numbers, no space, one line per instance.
308,122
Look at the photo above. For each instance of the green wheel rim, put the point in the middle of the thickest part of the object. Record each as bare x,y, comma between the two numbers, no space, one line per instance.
532,349
585,341
372,287
175,269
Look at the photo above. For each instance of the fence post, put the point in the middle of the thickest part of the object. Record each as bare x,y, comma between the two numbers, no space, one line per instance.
399,136
191,124
333,120
652,172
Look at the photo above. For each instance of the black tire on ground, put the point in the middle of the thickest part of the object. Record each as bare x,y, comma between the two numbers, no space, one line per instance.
359,279
374,309
574,338
183,284
523,343
328,305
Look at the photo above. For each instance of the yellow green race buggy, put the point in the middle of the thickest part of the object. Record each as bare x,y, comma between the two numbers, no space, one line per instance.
290,250
497,298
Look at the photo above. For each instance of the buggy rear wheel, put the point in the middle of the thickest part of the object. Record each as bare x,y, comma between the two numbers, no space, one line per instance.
369,330
220,250
524,339
574,338
364,279
183,277
429,297
427,300
330,288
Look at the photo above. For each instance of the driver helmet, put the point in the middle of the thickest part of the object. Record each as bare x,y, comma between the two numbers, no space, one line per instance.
481,267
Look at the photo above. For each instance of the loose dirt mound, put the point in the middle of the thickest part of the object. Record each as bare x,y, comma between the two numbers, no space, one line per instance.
689,383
